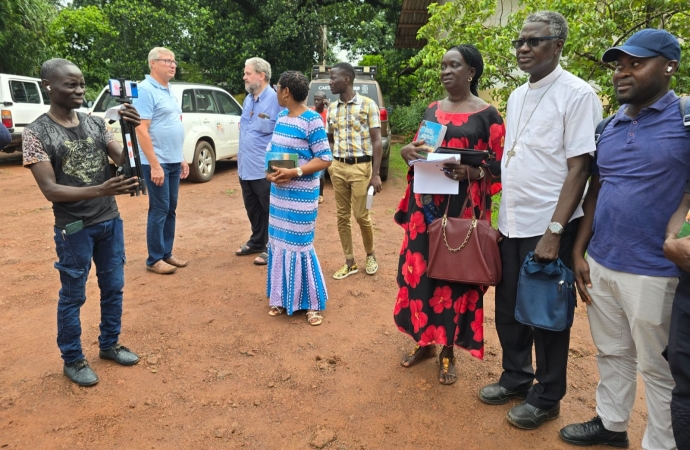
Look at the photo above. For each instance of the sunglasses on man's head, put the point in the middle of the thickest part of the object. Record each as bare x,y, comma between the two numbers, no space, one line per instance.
532,42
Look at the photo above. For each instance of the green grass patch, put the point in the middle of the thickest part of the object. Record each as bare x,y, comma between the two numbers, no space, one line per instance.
230,191
397,167
495,203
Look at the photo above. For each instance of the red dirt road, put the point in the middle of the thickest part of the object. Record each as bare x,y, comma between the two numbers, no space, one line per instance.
217,371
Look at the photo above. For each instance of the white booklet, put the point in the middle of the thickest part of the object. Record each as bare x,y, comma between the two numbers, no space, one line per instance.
429,177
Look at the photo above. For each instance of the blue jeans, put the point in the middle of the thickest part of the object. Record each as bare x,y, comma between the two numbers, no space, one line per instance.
160,229
105,244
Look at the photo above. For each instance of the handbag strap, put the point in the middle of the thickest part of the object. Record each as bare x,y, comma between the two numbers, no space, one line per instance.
468,198
531,265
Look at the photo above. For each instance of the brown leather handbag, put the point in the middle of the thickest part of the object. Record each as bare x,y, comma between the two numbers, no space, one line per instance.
475,260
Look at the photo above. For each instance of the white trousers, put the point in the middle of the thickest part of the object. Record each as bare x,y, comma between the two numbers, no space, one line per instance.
629,319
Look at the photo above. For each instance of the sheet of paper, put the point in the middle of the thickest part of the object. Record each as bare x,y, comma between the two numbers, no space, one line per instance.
429,177
112,113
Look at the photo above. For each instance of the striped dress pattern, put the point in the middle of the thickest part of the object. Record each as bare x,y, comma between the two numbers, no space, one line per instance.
295,280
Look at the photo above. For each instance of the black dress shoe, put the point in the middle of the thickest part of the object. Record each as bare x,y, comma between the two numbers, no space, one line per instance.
120,354
529,417
495,394
594,433
80,373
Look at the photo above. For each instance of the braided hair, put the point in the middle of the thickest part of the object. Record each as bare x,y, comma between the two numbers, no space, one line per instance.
297,83
473,58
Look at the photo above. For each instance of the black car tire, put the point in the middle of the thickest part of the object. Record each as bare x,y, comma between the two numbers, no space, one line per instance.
204,163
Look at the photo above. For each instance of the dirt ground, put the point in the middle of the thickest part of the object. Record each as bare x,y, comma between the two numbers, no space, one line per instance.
217,371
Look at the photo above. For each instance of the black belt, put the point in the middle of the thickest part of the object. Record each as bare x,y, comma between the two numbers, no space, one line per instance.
358,160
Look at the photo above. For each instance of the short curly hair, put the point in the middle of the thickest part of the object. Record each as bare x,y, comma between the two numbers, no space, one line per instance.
296,82
558,25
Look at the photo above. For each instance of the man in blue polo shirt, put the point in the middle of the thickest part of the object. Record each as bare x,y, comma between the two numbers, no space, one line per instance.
642,161
259,113
161,136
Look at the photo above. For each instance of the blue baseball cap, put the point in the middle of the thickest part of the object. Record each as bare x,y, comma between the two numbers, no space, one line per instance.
647,43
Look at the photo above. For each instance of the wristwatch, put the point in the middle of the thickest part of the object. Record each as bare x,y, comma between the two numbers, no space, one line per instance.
556,228
481,173
299,171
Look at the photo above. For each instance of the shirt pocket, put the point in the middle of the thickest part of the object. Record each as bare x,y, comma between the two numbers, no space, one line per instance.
266,126
545,137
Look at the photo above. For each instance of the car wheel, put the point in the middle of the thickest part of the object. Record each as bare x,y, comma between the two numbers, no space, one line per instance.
204,164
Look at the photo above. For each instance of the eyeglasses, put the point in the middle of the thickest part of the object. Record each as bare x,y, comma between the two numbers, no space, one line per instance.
167,62
532,42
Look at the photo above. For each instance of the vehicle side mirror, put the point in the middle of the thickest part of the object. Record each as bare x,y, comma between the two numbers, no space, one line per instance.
89,104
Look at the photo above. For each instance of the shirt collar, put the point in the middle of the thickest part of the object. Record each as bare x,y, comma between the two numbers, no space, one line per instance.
550,78
658,105
156,83
355,100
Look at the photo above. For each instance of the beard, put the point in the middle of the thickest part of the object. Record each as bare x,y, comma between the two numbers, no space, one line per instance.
252,87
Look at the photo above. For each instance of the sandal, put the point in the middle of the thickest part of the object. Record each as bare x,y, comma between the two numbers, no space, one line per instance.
447,371
417,354
261,260
276,311
314,318
246,250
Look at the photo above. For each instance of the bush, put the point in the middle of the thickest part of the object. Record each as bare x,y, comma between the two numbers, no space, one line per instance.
405,119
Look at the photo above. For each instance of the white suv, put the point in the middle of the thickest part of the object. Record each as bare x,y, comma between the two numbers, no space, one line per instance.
211,119
22,100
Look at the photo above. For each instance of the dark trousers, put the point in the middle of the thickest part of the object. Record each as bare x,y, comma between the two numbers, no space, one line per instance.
104,244
257,199
551,347
679,362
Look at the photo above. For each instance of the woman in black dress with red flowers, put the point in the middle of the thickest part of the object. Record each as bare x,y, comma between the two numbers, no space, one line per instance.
437,312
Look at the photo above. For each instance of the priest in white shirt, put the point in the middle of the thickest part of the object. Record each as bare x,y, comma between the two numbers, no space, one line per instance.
549,144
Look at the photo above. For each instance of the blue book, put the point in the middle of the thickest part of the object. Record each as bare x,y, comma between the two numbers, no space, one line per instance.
432,133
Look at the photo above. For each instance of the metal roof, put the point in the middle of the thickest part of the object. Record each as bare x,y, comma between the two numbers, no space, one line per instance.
413,16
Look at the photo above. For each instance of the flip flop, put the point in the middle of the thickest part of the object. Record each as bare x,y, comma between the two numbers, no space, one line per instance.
261,260
314,318
246,250
276,311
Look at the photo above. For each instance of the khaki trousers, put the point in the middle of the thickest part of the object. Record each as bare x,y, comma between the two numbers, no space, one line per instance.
630,318
350,184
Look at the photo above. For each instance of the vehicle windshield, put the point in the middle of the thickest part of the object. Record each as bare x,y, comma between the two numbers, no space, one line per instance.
367,89
105,102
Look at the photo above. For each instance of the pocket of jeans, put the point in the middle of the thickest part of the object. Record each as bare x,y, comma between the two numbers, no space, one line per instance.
74,273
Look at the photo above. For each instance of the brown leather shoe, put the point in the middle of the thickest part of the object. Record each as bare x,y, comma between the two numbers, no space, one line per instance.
162,268
175,262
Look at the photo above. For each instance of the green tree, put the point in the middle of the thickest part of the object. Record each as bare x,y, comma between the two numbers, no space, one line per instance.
283,32
24,29
84,36
398,88
594,25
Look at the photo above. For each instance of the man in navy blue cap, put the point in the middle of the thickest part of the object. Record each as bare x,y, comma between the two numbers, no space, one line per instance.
638,176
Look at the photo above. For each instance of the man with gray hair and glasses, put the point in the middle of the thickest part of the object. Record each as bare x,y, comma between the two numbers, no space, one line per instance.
259,113
161,137
551,121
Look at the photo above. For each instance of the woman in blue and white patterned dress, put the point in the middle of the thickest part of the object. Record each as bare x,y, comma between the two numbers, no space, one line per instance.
295,280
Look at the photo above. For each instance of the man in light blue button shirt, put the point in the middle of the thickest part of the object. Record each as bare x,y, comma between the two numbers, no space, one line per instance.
259,113
161,136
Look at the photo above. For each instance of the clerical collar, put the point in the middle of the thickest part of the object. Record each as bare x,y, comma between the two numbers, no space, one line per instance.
550,78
